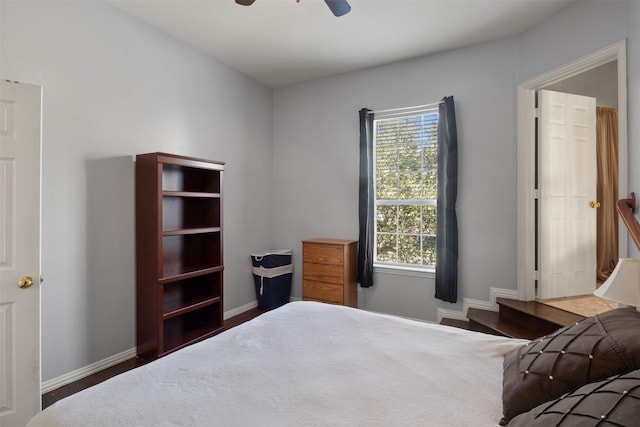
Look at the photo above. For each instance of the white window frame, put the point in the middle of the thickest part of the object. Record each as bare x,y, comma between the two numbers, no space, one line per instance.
416,270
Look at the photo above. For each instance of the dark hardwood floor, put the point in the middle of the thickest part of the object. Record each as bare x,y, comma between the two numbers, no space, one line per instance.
74,387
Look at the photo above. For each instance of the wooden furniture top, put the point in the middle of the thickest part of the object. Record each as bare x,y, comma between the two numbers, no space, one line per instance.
329,241
185,160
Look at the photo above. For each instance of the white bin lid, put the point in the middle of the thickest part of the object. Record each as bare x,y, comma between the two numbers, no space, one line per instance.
272,252
270,273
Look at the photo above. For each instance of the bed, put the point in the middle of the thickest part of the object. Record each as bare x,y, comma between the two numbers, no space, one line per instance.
309,364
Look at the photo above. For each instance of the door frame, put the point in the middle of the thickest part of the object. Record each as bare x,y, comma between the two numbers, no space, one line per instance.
526,147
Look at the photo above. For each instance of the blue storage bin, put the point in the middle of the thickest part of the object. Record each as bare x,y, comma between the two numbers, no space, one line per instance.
272,276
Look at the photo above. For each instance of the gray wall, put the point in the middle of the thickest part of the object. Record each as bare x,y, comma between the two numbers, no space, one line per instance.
633,113
600,83
316,153
575,31
316,165
112,88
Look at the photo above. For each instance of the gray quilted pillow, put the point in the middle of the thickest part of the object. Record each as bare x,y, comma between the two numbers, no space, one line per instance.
591,350
612,402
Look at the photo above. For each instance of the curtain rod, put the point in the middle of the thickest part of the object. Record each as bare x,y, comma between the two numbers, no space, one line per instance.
417,107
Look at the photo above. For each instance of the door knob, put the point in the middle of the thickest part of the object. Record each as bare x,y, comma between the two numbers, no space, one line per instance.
25,282
594,205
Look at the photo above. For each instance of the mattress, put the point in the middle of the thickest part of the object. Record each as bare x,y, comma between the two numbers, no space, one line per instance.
307,364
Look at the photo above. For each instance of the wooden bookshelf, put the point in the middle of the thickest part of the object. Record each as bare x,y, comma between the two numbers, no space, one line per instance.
178,252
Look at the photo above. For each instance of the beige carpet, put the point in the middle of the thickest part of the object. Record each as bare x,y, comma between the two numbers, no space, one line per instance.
584,305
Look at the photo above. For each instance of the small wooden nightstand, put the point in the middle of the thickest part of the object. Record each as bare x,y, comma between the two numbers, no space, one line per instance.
329,271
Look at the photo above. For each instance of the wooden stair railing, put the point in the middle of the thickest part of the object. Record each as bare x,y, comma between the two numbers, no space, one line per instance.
626,209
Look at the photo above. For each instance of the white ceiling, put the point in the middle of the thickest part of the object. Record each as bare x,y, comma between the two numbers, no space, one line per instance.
281,42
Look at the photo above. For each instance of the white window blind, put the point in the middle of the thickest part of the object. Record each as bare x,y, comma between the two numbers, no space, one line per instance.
405,146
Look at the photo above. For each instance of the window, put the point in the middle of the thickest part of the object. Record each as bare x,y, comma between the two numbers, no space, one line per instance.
405,188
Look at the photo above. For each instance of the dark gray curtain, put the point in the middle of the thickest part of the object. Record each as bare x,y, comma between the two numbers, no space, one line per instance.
446,220
366,199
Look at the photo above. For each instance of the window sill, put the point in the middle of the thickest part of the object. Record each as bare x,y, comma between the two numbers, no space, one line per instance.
405,271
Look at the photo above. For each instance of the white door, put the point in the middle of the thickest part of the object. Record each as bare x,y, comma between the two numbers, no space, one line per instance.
567,179
20,114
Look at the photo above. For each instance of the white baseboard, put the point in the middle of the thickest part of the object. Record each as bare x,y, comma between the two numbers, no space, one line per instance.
98,366
91,369
239,310
468,303
450,314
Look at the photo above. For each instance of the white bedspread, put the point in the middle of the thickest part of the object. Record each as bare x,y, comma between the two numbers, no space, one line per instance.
307,364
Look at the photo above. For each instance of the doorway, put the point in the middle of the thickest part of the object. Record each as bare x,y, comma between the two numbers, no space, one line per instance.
566,178
601,83
528,274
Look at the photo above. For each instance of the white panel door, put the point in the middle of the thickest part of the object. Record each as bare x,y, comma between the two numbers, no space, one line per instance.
20,146
567,179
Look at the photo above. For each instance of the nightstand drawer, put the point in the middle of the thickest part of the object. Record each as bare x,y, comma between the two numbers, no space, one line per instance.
323,254
323,273
321,291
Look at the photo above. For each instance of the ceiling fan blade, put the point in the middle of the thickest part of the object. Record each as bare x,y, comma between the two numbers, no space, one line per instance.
338,7
245,2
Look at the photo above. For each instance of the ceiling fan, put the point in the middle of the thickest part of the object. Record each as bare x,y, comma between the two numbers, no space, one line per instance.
338,7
